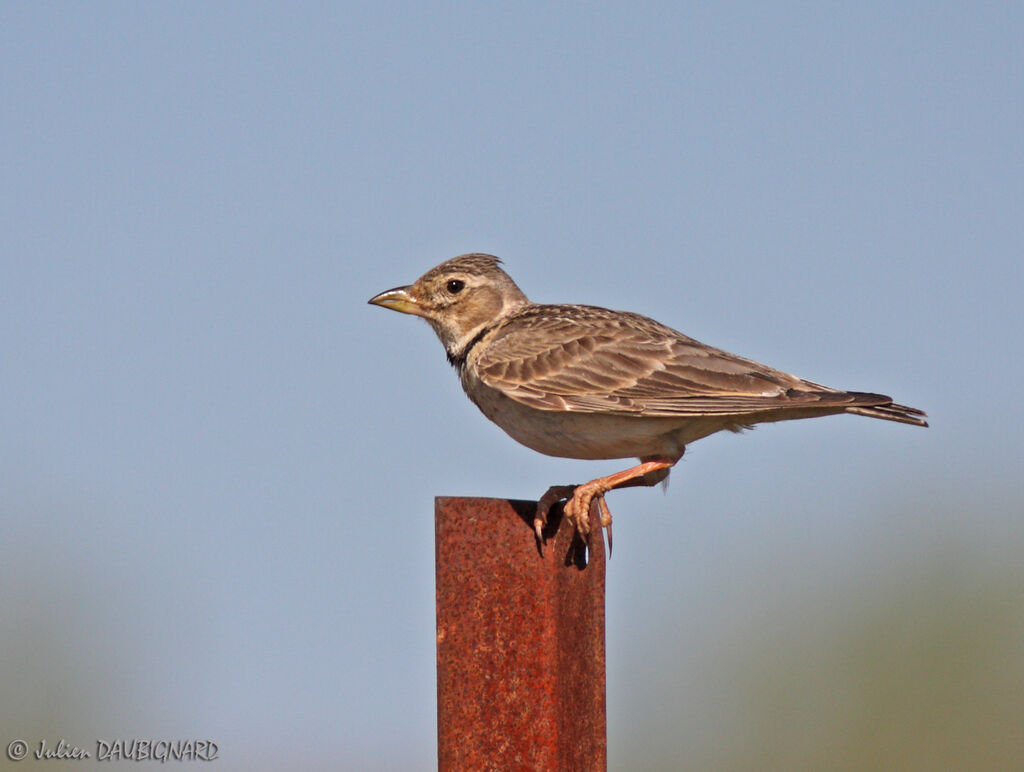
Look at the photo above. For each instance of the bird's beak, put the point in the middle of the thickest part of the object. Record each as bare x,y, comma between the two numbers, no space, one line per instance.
398,299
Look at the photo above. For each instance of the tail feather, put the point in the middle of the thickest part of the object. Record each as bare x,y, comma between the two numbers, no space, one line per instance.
892,412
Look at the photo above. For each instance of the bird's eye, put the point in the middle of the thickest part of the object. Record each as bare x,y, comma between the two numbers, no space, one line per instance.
455,285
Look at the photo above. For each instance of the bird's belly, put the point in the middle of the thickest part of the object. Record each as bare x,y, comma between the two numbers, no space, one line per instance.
585,435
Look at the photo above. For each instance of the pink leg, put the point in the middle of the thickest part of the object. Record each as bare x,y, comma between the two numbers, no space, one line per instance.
577,507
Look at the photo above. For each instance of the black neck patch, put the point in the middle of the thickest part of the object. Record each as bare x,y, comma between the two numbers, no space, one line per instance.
458,359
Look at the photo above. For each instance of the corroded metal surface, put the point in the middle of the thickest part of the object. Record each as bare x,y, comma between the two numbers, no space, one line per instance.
520,641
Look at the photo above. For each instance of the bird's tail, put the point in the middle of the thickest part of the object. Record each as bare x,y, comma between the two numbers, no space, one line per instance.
892,412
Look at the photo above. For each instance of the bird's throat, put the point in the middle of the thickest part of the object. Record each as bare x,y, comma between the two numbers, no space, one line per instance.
457,358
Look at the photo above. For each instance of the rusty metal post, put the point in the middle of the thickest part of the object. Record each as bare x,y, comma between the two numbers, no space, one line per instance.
520,641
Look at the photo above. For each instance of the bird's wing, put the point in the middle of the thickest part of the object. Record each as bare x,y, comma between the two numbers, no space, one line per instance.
592,360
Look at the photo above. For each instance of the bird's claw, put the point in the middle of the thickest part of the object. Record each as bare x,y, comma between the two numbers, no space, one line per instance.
606,520
553,495
578,501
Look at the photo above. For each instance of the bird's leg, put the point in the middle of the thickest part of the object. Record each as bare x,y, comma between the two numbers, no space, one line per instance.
595,489
579,497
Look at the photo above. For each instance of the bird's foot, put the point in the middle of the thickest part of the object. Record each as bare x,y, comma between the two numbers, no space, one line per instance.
578,508
580,498
578,502
554,494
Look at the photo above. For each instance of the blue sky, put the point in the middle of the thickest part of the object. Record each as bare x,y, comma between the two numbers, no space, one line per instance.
217,463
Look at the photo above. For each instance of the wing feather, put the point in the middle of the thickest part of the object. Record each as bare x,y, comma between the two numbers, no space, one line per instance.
592,360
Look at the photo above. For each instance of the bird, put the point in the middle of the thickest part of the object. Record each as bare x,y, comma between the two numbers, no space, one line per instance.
585,382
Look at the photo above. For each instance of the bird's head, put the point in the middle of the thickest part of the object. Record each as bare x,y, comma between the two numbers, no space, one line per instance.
459,298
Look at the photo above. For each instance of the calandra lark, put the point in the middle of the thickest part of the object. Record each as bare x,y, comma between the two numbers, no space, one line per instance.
586,382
